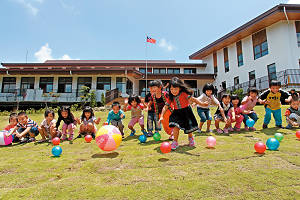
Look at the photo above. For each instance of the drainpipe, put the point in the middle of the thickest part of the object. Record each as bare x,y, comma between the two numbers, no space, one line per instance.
7,72
284,10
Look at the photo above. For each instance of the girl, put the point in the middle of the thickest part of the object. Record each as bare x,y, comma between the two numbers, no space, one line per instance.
203,111
65,115
182,116
13,121
248,103
136,106
237,115
88,121
221,115
47,128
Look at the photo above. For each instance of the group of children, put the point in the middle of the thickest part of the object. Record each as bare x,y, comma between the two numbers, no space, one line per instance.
172,110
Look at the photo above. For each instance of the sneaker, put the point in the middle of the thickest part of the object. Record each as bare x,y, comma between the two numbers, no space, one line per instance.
70,138
174,145
226,130
252,129
209,131
42,141
80,135
246,128
230,129
199,131
64,137
150,134
24,140
265,126
191,142
31,140
144,132
219,131
289,126
132,133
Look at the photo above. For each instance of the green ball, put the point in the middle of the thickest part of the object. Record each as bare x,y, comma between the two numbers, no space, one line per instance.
156,136
278,136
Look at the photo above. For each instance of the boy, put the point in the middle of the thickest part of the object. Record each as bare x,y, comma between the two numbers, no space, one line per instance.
26,129
115,117
272,99
293,113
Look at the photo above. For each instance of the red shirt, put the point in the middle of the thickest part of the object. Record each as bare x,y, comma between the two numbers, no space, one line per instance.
180,101
8,127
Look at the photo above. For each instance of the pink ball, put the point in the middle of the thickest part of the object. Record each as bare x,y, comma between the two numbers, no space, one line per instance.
211,141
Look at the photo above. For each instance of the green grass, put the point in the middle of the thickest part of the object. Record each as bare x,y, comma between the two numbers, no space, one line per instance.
139,171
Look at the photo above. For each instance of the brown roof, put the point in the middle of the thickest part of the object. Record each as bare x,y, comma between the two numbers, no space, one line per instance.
109,61
264,20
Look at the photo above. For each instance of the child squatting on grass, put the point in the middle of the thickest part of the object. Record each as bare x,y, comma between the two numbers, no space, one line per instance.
88,121
222,115
293,113
65,115
47,128
115,117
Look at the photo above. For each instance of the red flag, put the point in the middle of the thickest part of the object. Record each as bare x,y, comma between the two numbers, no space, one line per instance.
151,40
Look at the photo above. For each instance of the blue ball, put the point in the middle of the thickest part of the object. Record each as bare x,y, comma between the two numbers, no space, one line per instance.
250,122
56,151
272,144
142,138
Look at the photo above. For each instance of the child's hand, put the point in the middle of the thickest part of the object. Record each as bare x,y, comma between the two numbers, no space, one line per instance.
126,101
98,120
160,120
122,116
225,120
105,123
233,118
295,124
77,120
266,101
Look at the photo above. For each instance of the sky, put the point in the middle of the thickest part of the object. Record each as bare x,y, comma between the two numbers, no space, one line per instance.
116,29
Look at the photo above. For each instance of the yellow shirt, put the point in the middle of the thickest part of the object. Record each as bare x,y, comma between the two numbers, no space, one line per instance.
274,99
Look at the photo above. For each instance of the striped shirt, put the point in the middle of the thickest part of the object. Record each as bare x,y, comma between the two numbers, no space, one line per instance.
30,123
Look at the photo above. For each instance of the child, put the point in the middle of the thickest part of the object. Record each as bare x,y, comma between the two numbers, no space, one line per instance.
272,99
152,117
115,117
47,128
222,115
136,106
237,117
203,112
88,121
182,117
247,105
26,129
13,121
65,115
293,113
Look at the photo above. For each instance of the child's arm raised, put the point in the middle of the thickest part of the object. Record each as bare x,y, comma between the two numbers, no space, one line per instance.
194,100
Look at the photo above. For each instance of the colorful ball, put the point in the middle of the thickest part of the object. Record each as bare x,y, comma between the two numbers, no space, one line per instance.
156,136
142,138
298,134
211,141
278,136
56,151
272,144
88,138
165,147
260,147
250,122
108,138
4,139
55,141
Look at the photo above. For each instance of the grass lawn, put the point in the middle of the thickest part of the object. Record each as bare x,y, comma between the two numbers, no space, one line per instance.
139,171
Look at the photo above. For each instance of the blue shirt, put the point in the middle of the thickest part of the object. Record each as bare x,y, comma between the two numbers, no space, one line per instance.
114,116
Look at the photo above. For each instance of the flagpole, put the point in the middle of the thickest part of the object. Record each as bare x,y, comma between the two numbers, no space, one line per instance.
146,69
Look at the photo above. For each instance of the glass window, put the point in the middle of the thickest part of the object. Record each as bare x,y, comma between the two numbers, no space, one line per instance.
297,24
189,70
260,44
240,60
226,66
236,81
121,84
239,51
64,85
159,70
9,85
84,81
272,72
46,84
27,83
143,70
224,85
104,83
226,60
252,78
173,71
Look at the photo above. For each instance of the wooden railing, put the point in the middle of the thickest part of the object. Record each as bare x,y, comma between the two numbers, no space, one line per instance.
111,95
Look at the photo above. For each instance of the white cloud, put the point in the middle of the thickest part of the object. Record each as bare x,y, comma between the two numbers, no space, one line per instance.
28,4
293,2
166,45
45,53
69,7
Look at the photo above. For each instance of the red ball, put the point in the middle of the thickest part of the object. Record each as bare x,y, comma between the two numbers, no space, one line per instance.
260,147
55,141
88,138
165,147
298,134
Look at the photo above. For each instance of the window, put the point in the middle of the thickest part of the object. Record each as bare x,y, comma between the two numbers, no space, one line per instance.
64,85
236,81
239,53
27,83
84,81
103,83
215,62
272,72
46,84
297,23
191,83
121,84
9,85
226,61
189,70
159,70
143,70
260,44
173,71
252,82
224,85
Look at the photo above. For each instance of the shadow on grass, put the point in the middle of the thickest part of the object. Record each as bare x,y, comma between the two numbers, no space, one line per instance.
259,154
13,145
153,142
128,138
271,131
212,148
163,160
55,157
106,155
181,149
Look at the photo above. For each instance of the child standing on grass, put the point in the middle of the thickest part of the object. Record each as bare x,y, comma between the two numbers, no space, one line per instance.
88,121
47,128
203,111
13,121
115,117
236,116
182,117
272,99
136,106
65,115
293,113
222,115
247,105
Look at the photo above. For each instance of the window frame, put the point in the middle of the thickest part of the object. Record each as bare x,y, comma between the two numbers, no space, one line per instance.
104,83
46,84
65,82
9,83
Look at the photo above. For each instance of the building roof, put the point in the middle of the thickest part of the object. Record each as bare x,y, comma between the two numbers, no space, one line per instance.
264,20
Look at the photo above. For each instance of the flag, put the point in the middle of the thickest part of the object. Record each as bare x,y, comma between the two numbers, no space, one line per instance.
151,40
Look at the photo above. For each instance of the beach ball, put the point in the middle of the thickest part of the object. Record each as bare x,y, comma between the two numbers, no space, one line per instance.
211,141
4,140
165,147
272,144
278,136
56,151
142,138
156,136
250,122
88,138
298,134
260,147
108,138
55,141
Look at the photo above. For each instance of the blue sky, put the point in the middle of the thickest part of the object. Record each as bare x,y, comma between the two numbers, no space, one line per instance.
116,29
